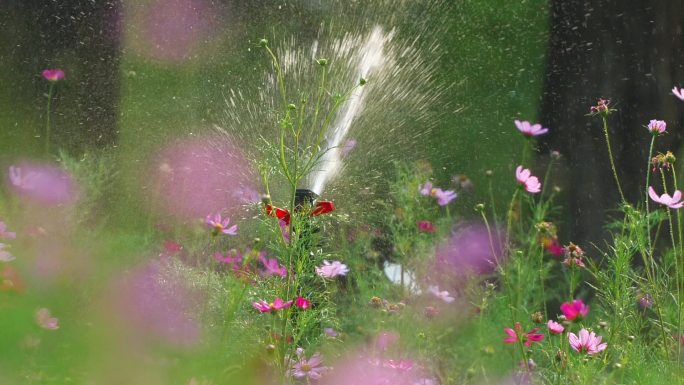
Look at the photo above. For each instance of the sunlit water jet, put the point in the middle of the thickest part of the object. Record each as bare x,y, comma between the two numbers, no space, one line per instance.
388,119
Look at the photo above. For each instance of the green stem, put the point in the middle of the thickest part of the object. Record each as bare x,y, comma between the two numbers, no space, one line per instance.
648,174
47,115
612,161
676,261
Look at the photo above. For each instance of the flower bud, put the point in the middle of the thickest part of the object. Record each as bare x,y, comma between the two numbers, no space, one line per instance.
263,43
322,62
362,82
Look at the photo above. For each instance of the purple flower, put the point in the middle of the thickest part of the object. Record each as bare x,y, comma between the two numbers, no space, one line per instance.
330,332
586,342
678,93
43,183
347,147
444,196
4,234
5,255
657,127
220,226
525,177
332,270
53,75
303,368
443,295
530,130
45,320
673,202
271,266
426,189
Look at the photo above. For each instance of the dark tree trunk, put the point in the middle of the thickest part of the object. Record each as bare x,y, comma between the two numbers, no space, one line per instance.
628,51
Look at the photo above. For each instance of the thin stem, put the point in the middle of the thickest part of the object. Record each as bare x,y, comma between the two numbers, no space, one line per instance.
676,260
491,198
646,198
612,162
47,119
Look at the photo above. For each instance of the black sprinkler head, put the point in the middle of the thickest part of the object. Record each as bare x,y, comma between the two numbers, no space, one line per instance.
303,196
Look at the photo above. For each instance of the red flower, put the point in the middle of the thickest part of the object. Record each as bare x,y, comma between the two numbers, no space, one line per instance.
425,226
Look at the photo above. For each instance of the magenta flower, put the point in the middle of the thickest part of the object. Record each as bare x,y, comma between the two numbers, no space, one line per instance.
673,202
266,307
678,93
220,226
575,310
271,267
518,335
332,270
555,327
45,320
53,75
303,368
5,255
425,226
530,130
443,295
4,234
657,127
302,303
586,342
525,178
233,261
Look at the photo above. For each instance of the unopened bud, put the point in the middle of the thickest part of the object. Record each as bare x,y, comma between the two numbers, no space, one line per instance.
362,82
263,42
322,62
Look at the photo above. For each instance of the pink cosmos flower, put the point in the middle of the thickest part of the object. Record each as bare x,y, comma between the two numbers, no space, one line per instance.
402,365
233,261
657,127
4,234
45,320
5,255
271,266
525,177
575,310
53,75
443,295
302,303
332,270
555,327
220,226
266,307
443,196
678,93
425,226
530,130
311,369
518,335
673,202
586,342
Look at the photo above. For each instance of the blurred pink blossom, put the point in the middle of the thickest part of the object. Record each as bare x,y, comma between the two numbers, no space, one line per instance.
530,130
575,310
220,225
157,305
43,183
425,226
347,147
443,295
586,342
271,266
45,320
673,202
466,252
266,307
200,175
657,127
678,92
53,75
302,303
555,327
310,369
332,270
4,234
5,255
